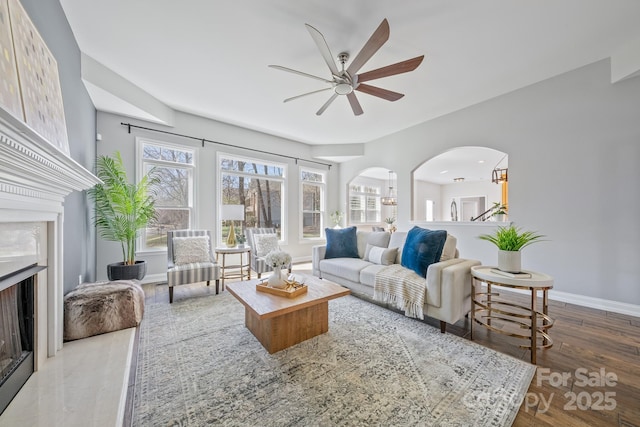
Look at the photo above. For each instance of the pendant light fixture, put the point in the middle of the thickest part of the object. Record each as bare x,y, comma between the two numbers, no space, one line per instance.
390,199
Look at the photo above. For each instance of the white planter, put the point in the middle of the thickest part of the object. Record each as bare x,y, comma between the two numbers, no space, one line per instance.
510,261
276,280
500,217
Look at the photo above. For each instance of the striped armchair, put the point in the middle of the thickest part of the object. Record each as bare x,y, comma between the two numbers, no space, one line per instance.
257,262
200,270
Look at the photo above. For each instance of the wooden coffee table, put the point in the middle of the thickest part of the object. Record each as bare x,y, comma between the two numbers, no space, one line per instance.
280,322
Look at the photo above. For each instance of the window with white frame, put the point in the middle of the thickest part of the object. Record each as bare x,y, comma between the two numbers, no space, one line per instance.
364,204
312,197
175,167
258,186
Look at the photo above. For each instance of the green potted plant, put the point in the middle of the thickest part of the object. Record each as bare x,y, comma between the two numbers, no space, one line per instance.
510,241
121,210
240,239
336,217
390,222
499,212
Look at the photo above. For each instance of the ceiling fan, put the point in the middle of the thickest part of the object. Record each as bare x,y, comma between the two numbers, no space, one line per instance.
345,82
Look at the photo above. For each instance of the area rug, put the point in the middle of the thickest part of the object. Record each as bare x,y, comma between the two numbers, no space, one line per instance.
198,365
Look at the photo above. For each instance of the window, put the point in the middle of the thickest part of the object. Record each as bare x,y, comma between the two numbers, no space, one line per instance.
174,195
364,204
312,191
258,186
429,210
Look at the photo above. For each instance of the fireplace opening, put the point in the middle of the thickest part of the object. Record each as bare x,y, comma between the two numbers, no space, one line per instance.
17,331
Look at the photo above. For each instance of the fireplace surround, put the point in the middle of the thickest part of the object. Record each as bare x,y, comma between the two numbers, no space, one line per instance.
35,178
17,331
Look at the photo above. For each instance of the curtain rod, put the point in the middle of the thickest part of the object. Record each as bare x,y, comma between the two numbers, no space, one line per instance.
203,140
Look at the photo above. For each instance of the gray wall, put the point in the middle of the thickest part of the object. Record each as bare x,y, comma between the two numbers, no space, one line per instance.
79,234
574,152
115,137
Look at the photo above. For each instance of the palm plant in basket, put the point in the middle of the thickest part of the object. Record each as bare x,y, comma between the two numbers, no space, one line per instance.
510,241
121,210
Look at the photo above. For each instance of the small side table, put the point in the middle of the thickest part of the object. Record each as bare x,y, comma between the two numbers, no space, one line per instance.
486,306
242,265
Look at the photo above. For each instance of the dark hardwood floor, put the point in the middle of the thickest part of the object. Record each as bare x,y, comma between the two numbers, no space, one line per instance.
597,352
588,343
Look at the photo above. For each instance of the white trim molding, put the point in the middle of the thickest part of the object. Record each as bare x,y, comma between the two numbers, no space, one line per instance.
599,303
35,178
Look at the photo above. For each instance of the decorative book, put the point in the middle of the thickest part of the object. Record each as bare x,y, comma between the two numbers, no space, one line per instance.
521,275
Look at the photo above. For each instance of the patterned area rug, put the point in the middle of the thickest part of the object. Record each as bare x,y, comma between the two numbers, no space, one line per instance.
198,365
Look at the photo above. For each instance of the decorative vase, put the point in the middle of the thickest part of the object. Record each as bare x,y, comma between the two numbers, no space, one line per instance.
510,261
231,238
275,280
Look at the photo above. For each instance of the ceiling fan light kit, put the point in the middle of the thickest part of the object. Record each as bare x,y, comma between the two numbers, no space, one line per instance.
345,82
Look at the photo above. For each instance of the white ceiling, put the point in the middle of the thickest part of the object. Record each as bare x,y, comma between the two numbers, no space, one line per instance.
211,58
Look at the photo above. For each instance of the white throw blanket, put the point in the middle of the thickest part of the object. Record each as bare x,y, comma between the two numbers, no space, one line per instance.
401,287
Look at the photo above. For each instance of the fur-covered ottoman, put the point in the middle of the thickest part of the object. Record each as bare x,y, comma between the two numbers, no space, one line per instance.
97,308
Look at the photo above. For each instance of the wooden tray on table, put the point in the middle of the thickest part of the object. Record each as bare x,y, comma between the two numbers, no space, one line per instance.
293,291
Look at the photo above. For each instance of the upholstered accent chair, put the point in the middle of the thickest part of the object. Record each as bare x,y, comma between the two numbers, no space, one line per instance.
260,247
190,259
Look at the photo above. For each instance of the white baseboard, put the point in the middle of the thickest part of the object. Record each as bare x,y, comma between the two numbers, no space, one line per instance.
299,260
585,301
154,278
602,304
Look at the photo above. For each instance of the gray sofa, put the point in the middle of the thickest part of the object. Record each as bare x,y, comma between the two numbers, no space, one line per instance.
448,282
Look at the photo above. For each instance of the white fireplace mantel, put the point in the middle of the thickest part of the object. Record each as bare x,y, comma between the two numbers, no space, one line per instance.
35,178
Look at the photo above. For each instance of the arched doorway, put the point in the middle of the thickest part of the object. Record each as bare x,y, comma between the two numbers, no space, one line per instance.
366,193
459,185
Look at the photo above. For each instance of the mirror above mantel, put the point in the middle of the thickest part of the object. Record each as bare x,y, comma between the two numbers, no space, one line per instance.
458,186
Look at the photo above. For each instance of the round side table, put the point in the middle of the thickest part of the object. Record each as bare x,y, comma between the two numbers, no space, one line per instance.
488,305
224,251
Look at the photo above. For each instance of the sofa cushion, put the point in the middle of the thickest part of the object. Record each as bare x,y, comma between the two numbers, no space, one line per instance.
376,238
347,268
397,240
422,248
341,243
382,256
379,238
368,274
449,249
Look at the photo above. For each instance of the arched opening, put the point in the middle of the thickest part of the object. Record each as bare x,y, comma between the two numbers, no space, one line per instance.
366,194
462,184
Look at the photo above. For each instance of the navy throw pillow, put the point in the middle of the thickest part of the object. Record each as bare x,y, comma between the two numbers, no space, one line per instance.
341,243
422,248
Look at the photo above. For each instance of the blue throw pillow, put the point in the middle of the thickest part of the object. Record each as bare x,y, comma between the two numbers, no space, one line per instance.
341,243
422,248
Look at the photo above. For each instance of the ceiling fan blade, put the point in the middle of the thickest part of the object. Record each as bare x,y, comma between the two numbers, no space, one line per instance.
280,67
355,105
324,49
375,42
391,70
379,92
305,94
326,104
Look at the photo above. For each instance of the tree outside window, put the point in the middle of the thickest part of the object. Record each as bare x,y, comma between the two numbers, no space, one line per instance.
313,191
256,185
174,194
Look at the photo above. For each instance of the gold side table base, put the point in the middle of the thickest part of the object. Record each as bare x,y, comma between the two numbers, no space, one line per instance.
486,306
